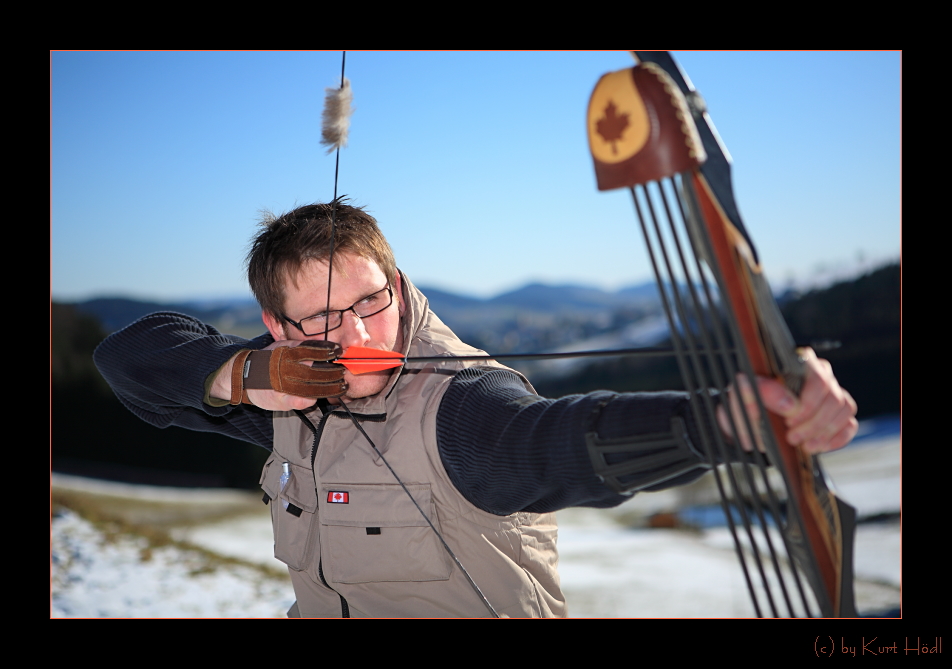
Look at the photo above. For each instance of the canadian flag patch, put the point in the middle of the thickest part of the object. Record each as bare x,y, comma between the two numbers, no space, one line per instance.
338,497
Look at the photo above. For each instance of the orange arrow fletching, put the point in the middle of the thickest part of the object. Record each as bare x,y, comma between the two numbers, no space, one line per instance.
363,360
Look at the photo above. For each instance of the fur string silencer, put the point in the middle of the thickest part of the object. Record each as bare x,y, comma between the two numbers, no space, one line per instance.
335,122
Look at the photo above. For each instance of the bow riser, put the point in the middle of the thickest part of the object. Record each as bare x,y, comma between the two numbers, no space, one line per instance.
802,471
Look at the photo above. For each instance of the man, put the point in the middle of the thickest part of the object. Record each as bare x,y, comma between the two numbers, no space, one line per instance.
482,457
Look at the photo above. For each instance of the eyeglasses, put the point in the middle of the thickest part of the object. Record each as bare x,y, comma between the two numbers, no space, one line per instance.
331,320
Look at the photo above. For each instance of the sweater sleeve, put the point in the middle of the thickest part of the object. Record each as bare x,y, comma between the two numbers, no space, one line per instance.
508,450
158,367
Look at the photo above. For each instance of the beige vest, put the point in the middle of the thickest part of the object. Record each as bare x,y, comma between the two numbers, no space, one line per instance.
353,527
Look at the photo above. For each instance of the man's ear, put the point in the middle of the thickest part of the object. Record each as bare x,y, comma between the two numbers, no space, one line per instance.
275,327
398,289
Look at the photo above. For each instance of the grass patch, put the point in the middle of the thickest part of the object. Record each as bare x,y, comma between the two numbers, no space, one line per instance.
112,520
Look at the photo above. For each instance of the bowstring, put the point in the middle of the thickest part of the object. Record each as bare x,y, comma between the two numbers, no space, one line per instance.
330,259
353,418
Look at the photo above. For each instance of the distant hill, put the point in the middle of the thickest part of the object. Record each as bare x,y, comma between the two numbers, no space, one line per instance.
92,434
478,319
238,316
863,314
537,296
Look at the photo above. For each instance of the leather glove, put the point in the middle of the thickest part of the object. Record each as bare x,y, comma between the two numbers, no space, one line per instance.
280,369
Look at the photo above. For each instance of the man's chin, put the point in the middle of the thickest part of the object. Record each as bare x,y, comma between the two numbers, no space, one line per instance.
365,385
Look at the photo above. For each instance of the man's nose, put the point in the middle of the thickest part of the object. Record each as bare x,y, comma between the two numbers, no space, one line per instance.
353,332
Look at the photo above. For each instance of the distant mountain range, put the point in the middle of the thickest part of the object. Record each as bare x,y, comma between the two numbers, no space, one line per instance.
533,303
115,313
241,315
559,318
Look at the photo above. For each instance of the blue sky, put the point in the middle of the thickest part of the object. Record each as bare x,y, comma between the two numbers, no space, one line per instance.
475,164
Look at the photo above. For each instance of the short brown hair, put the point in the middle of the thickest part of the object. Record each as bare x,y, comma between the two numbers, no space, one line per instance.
288,241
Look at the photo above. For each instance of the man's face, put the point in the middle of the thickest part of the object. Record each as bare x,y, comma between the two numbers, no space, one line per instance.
354,279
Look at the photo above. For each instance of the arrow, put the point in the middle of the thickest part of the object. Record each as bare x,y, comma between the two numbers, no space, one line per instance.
363,359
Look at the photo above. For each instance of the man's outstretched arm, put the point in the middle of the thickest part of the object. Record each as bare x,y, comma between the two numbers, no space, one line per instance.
162,366
507,449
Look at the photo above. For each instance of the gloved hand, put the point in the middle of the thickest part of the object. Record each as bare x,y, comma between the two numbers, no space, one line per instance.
284,370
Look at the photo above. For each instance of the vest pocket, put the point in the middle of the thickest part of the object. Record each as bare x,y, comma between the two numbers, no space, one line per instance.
293,526
374,533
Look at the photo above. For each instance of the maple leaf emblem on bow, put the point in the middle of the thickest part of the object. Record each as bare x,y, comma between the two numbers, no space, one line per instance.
611,127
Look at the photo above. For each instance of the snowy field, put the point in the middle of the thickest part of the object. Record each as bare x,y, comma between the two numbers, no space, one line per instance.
211,555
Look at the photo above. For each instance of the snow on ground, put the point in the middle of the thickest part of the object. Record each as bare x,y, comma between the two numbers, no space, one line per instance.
93,576
648,573
607,568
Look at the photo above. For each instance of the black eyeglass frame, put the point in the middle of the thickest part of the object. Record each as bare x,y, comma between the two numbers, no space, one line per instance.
327,314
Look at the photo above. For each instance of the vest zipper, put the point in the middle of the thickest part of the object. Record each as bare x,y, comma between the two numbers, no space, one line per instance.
344,608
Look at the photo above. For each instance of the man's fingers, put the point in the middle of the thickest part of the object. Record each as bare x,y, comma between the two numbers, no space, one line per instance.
777,397
833,426
321,379
287,369
838,440
820,388
822,418
742,401
318,351
827,416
